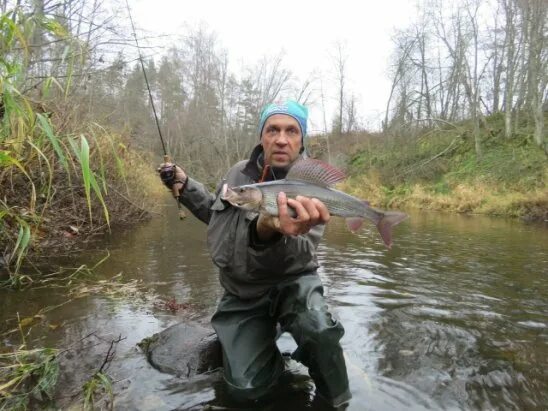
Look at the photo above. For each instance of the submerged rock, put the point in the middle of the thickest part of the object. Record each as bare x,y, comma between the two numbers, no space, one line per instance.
184,350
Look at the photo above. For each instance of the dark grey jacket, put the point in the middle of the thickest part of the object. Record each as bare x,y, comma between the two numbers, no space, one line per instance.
248,267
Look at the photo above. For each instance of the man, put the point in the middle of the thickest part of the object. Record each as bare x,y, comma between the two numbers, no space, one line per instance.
268,268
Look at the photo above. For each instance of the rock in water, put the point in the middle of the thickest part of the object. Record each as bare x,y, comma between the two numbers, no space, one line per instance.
184,350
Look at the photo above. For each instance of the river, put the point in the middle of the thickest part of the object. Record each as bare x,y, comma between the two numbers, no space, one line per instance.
455,316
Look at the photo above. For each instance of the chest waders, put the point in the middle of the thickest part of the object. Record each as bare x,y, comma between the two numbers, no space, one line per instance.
247,331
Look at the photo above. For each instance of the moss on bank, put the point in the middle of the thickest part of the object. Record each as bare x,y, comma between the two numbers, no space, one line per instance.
438,169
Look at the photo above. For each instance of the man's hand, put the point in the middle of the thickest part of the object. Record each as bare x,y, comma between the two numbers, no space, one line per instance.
310,212
173,177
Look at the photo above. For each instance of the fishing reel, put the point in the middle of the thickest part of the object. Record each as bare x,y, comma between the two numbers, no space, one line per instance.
167,175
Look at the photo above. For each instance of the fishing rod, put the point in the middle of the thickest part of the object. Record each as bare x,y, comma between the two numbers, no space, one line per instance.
166,156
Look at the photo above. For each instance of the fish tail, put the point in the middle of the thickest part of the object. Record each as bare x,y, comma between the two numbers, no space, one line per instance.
385,224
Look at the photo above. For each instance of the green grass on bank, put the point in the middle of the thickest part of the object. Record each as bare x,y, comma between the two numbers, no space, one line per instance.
438,169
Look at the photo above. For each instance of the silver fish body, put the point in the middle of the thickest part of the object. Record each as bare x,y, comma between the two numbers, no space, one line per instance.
338,203
262,197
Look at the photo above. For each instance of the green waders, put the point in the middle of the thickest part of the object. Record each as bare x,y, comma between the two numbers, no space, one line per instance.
247,331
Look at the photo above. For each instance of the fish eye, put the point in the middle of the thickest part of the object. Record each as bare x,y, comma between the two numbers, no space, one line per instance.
242,190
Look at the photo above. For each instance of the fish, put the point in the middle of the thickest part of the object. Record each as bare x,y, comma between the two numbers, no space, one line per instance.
314,179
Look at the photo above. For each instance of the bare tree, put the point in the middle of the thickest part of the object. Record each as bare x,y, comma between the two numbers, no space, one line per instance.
403,49
350,115
305,92
339,59
509,43
324,117
425,92
537,65
497,61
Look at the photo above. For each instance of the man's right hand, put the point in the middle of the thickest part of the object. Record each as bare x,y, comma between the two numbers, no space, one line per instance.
173,177
310,212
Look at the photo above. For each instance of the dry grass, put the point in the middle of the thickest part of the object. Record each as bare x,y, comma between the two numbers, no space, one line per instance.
477,198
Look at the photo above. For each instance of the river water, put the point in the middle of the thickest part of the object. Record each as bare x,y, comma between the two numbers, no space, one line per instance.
455,316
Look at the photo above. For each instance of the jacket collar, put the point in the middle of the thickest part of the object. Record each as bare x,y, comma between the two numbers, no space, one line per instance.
254,166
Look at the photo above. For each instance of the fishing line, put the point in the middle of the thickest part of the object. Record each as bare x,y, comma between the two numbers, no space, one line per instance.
166,156
146,79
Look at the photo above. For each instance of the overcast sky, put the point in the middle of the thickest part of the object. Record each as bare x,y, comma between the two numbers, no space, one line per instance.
305,30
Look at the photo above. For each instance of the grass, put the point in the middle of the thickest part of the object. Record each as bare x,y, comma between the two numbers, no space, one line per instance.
28,380
438,169
95,389
27,375
59,182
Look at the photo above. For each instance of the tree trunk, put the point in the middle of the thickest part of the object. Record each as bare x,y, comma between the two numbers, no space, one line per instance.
510,64
537,70
325,122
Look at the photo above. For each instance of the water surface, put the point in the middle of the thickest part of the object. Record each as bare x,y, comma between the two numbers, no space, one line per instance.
455,316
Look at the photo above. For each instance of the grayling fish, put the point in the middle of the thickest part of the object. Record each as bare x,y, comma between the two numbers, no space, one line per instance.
313,178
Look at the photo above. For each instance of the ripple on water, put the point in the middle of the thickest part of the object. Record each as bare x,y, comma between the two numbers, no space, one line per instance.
532,324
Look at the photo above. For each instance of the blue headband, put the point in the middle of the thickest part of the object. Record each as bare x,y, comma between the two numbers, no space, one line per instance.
289,108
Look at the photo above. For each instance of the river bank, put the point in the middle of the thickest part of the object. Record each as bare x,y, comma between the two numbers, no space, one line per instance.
61,192
439,169
67,171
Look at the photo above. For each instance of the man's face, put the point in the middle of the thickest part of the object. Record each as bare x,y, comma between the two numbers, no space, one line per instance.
281,139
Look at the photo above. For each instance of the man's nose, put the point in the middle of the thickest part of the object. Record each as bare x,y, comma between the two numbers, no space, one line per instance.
282,138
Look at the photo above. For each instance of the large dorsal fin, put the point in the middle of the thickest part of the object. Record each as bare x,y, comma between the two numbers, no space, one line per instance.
316,172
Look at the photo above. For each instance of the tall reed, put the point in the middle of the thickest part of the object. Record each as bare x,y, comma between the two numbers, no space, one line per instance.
45,174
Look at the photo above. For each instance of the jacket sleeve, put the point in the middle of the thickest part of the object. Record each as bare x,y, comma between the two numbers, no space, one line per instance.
198,199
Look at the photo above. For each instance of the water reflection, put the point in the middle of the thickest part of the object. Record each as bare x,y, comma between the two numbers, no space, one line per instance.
454,316
451,311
